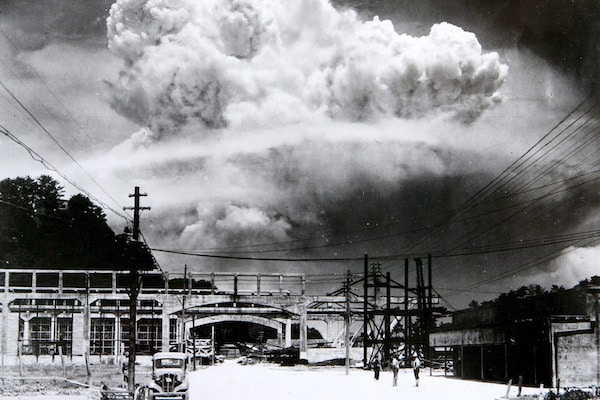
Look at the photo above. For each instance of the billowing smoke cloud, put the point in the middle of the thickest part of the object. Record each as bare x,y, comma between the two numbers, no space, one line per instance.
215,64
269,121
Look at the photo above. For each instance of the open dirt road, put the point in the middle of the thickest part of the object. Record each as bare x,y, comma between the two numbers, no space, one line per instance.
266,382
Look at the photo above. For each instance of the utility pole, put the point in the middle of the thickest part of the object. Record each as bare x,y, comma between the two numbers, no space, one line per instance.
134,287
348,319
365,310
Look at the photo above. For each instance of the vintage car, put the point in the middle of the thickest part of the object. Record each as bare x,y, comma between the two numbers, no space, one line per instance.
169,376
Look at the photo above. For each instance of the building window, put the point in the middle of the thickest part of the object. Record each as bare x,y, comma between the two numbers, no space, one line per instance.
148,338
173,331
36,335
102,338
39,329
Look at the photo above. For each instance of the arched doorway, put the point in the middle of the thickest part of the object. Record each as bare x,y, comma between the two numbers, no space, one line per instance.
235,335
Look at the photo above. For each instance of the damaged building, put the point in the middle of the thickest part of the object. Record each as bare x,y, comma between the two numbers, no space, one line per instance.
550,339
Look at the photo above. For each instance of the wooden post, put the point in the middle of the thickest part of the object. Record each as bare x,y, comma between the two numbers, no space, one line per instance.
481,362
508,389
62,360
193,341
87,321
445,360
365,313
387,322
212,336
406,316
429,324
347,331
520,385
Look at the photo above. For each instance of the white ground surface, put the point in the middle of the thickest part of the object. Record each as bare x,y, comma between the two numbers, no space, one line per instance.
272,382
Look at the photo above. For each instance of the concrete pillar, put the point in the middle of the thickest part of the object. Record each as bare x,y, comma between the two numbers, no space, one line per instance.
303,329
53,327
288,333
86,321
165,329
280,335
117,346
79,347
26,318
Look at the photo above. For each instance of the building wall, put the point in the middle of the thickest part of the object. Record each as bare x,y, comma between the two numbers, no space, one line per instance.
21,306
569,352
575,354
79,342
12,334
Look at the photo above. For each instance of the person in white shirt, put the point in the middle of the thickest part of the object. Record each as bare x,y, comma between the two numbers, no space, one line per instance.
416,366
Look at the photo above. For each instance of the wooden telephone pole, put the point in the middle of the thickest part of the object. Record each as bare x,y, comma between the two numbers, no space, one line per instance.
134,287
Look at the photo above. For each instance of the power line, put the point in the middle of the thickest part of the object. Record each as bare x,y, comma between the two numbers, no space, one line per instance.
38,76
37,121
37,157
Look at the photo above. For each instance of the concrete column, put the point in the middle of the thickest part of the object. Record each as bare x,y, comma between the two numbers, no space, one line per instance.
328,335
303,332
79,347
53,327
288,333
86,321
280,335
165,329
117,346
3,332
26,318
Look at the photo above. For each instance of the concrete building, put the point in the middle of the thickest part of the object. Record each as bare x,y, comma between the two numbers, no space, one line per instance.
550,339
85,314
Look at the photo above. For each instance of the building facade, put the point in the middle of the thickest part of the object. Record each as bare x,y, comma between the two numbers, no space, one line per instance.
85,314
550,339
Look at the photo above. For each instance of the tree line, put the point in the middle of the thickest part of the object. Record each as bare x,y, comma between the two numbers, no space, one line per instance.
39,228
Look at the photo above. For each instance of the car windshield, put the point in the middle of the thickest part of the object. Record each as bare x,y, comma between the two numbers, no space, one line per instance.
169,363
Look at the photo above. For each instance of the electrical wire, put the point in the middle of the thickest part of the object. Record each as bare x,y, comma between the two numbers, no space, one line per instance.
43,128
38,158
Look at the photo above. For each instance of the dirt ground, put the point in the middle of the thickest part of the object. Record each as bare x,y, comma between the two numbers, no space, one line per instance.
43,379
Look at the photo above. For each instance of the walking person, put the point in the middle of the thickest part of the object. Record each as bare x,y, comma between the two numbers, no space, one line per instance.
125,367
395,365
376,368
416,366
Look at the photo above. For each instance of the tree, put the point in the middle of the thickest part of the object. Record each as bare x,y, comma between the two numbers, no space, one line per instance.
39,229
474,304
